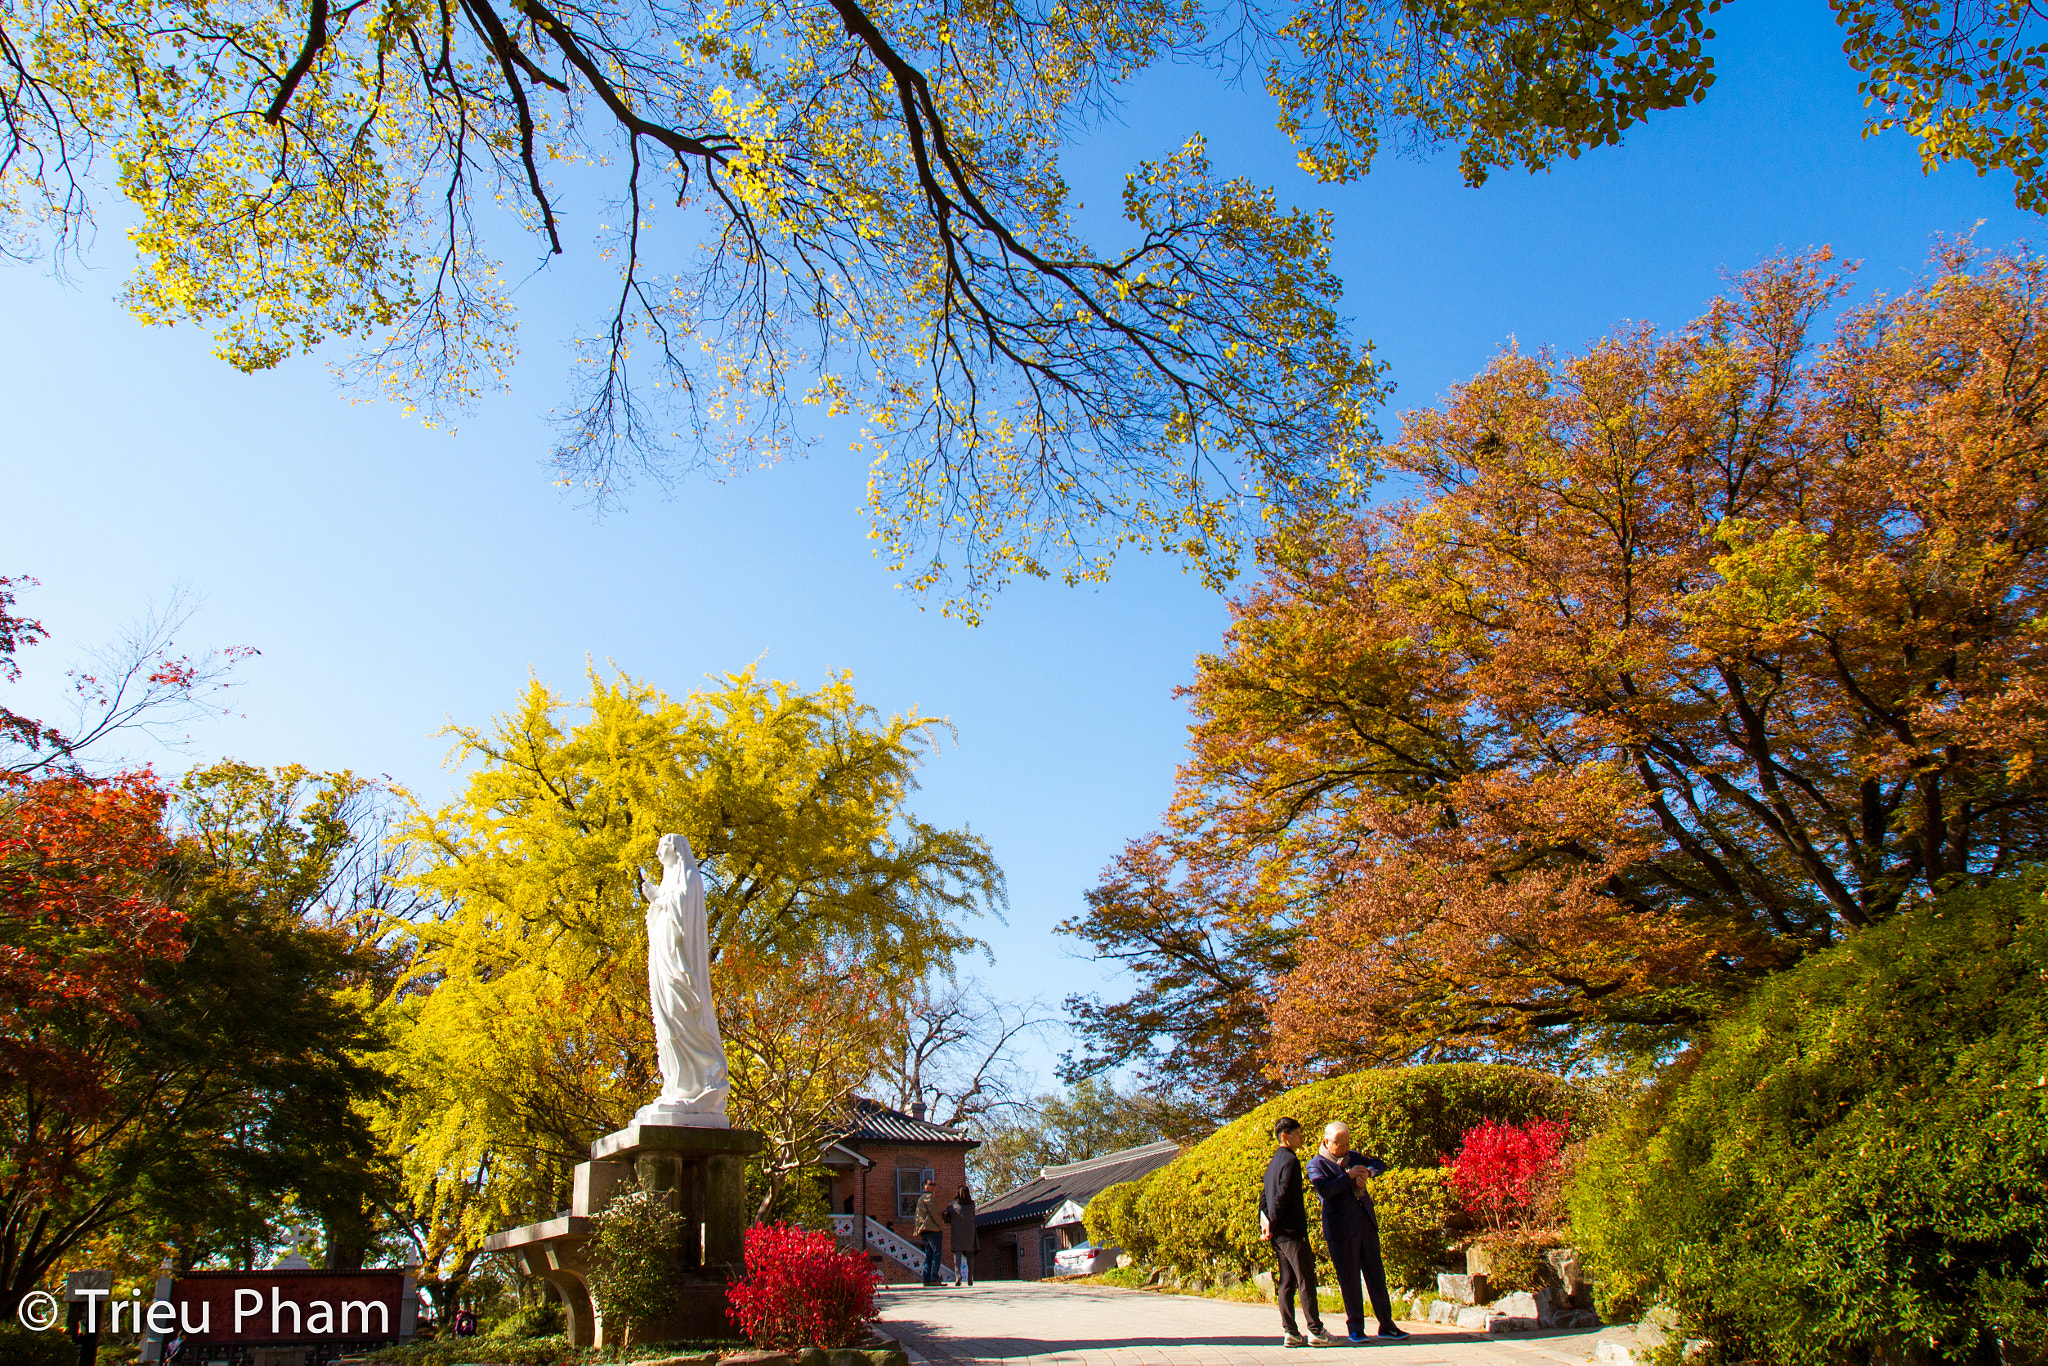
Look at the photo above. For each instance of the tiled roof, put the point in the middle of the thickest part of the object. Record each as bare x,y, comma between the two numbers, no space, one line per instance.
876,1123
1076,1181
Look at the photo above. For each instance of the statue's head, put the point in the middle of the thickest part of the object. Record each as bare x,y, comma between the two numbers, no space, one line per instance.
674,851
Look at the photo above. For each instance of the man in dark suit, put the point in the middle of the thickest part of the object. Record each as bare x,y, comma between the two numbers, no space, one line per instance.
1339,1177
1283,1218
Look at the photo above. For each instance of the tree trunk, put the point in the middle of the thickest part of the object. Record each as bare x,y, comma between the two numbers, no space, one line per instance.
346,1227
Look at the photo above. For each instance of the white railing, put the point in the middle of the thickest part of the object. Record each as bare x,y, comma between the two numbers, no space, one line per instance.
885,1240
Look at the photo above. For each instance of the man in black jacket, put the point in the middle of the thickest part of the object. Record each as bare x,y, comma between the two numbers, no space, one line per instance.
1283,1218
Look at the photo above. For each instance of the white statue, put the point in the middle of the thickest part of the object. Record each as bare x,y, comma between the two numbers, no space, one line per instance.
693,1076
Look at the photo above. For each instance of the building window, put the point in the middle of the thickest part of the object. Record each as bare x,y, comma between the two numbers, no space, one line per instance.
909,1185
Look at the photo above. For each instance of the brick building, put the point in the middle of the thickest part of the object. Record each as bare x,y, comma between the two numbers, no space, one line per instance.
879,1169
1020,1230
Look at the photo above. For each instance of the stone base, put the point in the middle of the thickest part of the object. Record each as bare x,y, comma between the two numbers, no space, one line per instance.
1526,1312
701,1170
699,1316
1467,1289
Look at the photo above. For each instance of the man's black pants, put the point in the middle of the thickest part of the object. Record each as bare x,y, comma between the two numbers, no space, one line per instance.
1297,1273
1354,1253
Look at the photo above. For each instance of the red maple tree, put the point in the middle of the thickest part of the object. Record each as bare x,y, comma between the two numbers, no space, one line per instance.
82,920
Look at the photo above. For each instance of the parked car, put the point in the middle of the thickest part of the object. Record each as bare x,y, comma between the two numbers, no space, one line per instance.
1086,1260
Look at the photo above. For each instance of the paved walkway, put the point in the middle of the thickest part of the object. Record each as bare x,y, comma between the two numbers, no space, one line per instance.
1045,1324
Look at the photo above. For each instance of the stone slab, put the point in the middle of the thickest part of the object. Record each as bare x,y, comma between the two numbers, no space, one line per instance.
561,1226
591,1185
673,1138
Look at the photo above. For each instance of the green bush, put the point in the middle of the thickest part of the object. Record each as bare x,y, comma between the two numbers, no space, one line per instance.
1416,1211
633,1259
1853,1165
21,1347
541,1320
1199,1213
1112,1220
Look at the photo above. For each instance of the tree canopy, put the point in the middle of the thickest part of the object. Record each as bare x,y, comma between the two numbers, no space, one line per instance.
857,206
1690,656
821,203
1180,915
801,1031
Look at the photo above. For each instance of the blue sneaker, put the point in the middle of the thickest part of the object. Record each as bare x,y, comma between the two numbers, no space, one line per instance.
1358,1340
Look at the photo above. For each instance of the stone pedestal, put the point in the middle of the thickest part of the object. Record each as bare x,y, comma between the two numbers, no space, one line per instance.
703,1172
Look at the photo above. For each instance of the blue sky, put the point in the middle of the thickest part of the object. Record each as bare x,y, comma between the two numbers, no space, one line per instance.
396,577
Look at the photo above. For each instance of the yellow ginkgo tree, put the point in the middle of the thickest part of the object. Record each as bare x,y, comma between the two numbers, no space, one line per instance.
524,1028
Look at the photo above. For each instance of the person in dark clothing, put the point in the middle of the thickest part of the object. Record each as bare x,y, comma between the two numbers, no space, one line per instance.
1283,1218
966,1240
1339,1176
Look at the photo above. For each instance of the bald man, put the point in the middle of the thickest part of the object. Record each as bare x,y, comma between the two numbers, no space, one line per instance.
1353,1234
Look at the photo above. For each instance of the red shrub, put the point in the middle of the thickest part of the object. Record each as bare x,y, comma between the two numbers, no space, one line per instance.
1499,1167
802,1290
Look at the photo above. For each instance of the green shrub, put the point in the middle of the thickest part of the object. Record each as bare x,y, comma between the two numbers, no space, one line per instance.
1852,1167
1111,1219
1199,1213
633,1259
529,1321
1415,1208
21,1347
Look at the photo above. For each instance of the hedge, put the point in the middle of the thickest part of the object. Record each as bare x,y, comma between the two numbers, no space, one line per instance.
1853,1166
1199,1213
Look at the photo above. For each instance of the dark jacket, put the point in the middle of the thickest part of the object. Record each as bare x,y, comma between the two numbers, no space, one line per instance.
1346,1211
1286,1213
960,1214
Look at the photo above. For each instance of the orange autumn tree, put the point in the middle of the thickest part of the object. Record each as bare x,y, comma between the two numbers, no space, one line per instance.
1689,656
83,923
